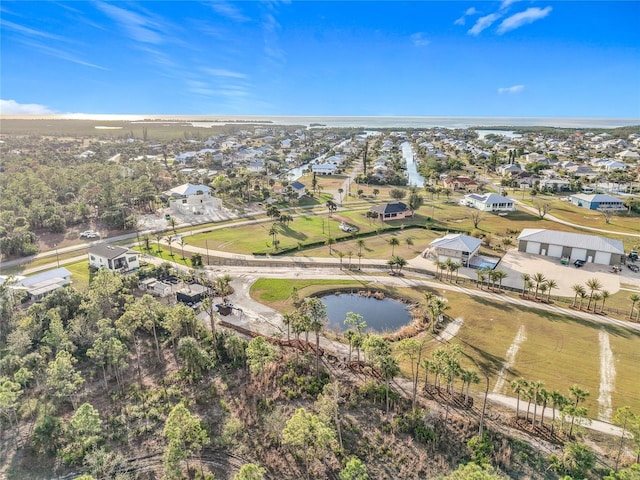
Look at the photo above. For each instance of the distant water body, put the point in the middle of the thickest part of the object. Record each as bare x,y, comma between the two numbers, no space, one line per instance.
358,122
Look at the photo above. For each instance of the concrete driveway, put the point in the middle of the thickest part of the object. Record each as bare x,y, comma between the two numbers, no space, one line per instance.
516,263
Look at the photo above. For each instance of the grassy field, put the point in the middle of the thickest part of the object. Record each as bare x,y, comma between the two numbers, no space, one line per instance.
558,350
79,274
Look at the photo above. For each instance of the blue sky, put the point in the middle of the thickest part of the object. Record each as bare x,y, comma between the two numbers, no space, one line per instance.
456,58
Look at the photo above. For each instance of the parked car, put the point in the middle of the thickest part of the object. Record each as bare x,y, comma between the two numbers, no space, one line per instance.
579,263
633,255
89,234
633,268
345,227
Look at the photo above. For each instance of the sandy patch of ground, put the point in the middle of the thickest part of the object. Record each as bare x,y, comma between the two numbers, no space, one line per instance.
450,331
516,263
510,359
607,376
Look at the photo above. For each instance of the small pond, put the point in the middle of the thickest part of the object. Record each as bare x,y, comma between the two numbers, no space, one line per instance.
382,315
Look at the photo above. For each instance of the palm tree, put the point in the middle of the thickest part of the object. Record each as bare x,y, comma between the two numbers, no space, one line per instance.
580,395
448,265
350,254
582,296
393,241
605,294
593,284
538,279
437,307
158,237
596,298
634,299
329,242
360,243
441,266
359,261
340,256
578,290
544,396
182,242
500,275
535,390
169,239
273,231
455,266
526,278
558,401
518,386
479,278
550,285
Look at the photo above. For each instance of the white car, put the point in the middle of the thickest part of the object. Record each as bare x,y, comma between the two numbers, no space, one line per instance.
89,234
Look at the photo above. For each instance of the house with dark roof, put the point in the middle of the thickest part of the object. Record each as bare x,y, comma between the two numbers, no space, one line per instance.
455,246
575,246
113,257
598,201
299,189
392,211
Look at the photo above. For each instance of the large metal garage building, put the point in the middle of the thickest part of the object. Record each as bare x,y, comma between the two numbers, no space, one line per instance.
575,246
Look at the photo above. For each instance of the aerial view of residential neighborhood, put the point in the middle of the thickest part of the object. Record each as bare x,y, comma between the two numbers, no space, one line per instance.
246,297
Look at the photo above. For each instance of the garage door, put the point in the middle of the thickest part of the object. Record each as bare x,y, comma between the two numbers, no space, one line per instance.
579,254
533,247
555,251
603,258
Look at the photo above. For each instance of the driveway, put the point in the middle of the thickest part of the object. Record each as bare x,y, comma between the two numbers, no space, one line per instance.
515,263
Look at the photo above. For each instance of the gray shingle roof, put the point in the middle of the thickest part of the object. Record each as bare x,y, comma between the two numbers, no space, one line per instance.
391,207
109,251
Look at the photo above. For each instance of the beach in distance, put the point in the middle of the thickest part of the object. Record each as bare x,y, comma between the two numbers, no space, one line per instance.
353,121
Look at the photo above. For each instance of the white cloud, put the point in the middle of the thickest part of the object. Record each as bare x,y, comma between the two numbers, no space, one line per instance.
11,107
463,19
511,90
230,11
221,72
483,23
140,28
517,20
505,4
30,31
419,40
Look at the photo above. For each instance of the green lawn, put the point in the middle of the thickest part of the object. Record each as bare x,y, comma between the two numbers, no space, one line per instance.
79,274
558,350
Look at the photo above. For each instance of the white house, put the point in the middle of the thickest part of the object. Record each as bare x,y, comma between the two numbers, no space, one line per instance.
41,284
298,188
324,168
489,202
455,246
189,198
113,257
575,246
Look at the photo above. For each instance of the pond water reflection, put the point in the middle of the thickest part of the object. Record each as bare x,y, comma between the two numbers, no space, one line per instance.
382,315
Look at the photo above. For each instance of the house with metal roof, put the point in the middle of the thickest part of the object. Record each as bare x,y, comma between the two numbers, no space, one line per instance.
113,257
189,198
489,202
574,246
42,284
598,201
392,211
455,246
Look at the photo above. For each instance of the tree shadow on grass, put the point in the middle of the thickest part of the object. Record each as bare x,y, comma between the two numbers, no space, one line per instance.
610,328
